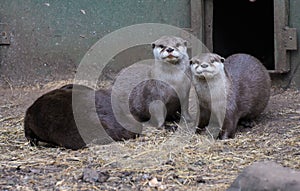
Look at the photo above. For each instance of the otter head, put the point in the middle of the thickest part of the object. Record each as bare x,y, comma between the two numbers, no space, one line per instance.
170,49
206,65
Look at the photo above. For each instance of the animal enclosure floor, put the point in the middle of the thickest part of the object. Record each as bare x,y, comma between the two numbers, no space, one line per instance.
158,160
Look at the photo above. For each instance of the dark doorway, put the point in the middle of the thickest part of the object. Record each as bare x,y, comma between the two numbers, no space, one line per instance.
242,26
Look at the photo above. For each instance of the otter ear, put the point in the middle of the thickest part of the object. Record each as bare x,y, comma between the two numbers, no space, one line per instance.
185,43
153,45
222,59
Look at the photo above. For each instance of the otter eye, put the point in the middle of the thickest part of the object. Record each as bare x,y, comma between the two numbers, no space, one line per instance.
161,46
178,45
191,62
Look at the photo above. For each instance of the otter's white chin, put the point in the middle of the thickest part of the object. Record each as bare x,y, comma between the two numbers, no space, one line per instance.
171,60
205,75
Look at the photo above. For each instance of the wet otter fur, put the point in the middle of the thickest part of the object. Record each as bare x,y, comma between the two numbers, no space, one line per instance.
50,118
241,79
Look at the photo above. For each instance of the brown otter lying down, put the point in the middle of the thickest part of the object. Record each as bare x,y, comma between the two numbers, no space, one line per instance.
241,85
50,118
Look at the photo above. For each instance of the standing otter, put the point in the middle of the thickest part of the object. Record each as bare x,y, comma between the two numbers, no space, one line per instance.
51,119
169,84
232,89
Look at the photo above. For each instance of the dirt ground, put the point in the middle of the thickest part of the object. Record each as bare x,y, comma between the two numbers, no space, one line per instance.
159,160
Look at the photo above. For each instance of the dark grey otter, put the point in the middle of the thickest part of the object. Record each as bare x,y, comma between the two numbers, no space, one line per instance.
231,90
168,82
50,118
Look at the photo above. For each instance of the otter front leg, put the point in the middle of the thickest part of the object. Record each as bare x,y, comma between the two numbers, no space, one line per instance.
214,127
229,127
158,113
203,119
185,112
31,137
185,107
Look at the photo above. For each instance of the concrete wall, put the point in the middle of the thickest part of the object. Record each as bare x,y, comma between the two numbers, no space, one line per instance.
49,38
294,76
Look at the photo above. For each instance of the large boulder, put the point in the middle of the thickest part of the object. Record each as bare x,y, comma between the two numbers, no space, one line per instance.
262,176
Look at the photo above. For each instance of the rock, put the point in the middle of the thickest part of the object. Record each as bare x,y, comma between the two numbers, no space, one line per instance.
90,175
170,162
263,176
154,182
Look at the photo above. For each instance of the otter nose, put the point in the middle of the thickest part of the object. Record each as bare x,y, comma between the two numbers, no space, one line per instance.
169,50
204,65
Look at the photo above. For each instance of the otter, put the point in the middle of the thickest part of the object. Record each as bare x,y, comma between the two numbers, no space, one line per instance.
50,118
231,89
75,86
168,83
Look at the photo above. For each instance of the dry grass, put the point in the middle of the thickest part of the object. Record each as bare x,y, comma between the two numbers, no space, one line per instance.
159,160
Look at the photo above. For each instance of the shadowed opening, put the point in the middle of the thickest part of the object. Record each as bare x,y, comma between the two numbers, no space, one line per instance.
241,26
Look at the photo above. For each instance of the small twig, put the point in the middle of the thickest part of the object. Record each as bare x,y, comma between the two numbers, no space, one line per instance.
7,118
9,84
